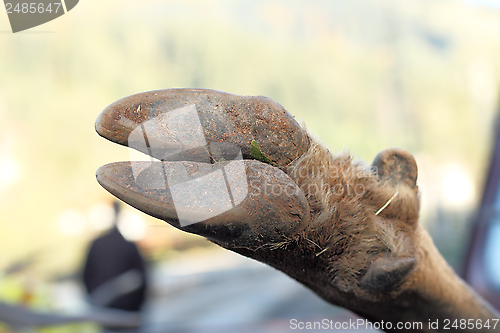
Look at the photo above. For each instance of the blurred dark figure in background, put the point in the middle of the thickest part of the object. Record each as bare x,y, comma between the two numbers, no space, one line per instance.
114,272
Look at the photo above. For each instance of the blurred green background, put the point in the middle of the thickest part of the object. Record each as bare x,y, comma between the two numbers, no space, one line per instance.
362,75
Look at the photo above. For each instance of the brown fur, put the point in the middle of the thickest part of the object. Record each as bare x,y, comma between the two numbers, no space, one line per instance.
344,222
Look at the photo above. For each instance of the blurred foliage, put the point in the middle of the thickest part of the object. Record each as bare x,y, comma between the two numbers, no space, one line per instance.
365,74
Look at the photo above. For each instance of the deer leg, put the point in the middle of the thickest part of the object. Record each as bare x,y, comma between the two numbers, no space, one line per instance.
347,231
